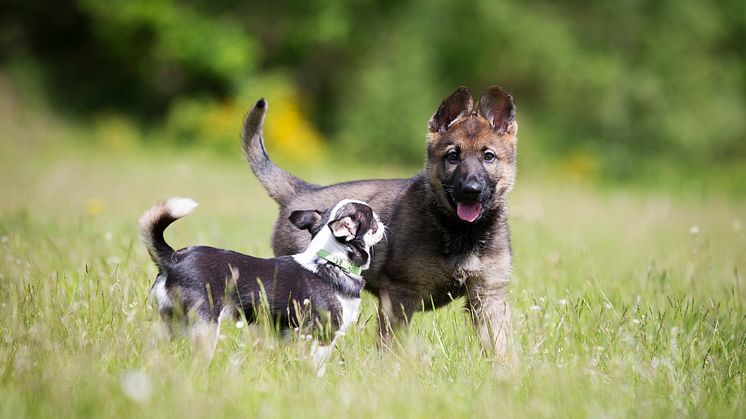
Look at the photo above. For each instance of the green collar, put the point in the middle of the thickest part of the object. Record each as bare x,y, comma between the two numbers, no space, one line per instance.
343,264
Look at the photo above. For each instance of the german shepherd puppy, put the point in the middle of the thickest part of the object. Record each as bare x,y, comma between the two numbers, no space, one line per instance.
448,224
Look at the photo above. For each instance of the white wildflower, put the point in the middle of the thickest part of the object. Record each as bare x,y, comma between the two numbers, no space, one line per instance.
136,385
183,169
22,360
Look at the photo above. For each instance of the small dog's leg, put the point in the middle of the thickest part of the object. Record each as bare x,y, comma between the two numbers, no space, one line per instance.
320,354
490,312
204,337
205,333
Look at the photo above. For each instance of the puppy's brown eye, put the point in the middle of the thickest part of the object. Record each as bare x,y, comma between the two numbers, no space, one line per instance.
452,157
489,156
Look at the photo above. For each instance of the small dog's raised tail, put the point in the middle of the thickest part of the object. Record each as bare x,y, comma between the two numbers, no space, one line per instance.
280,184
154,222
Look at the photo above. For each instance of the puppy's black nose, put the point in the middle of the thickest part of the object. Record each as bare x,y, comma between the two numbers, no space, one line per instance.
472,188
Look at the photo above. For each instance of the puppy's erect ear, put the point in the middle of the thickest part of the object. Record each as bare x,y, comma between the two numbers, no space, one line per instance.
306,220
498,107
343,229
453,107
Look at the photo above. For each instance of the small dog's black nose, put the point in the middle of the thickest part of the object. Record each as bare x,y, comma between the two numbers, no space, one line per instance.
472,188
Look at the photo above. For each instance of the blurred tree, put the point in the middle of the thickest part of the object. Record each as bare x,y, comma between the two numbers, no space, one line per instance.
618,84
133,55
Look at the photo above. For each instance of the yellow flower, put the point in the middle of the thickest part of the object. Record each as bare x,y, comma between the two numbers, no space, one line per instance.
289,133
94,206
581,166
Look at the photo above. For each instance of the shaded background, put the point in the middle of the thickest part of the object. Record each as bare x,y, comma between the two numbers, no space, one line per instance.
607,89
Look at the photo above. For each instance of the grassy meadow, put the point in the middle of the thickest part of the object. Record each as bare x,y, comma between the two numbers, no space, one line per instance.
627,301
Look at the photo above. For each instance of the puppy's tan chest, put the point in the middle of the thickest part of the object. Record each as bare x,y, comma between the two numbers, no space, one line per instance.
465,267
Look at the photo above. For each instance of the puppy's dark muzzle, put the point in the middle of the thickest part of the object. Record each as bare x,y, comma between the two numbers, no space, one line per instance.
471,190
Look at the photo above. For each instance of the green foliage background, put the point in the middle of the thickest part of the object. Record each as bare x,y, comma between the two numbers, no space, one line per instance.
611,87
628,301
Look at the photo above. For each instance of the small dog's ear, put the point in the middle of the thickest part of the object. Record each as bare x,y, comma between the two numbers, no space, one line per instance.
453,107
498,107
306,219
343,229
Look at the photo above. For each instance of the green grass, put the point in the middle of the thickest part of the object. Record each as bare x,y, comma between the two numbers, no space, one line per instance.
626,303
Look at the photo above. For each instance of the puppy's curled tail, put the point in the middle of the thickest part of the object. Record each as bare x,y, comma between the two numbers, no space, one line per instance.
154,222
280,184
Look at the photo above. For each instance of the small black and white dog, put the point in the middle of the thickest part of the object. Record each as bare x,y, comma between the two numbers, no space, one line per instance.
317,291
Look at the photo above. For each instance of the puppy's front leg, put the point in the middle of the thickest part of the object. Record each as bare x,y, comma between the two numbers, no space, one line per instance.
490,312
396,307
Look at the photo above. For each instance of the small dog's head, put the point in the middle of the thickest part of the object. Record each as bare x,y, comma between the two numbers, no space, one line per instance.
351,227
471,153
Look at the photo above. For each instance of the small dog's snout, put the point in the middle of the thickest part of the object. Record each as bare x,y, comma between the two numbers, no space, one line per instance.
472,188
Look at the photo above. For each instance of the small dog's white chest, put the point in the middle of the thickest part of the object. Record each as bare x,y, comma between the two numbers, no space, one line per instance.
350,312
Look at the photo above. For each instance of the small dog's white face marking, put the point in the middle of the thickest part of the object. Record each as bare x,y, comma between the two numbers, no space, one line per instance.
373,236
325,239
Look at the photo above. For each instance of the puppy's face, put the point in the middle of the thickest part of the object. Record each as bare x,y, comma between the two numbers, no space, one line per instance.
353,225
471,154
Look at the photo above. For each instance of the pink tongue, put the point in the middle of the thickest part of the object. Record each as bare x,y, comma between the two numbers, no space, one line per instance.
468,212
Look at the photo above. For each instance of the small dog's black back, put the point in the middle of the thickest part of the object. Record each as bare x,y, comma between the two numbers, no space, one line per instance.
208,278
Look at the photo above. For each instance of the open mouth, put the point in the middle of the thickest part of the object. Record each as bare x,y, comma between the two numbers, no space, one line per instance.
468,211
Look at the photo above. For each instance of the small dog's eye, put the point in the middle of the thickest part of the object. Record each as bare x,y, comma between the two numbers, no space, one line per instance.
489,156
452,156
